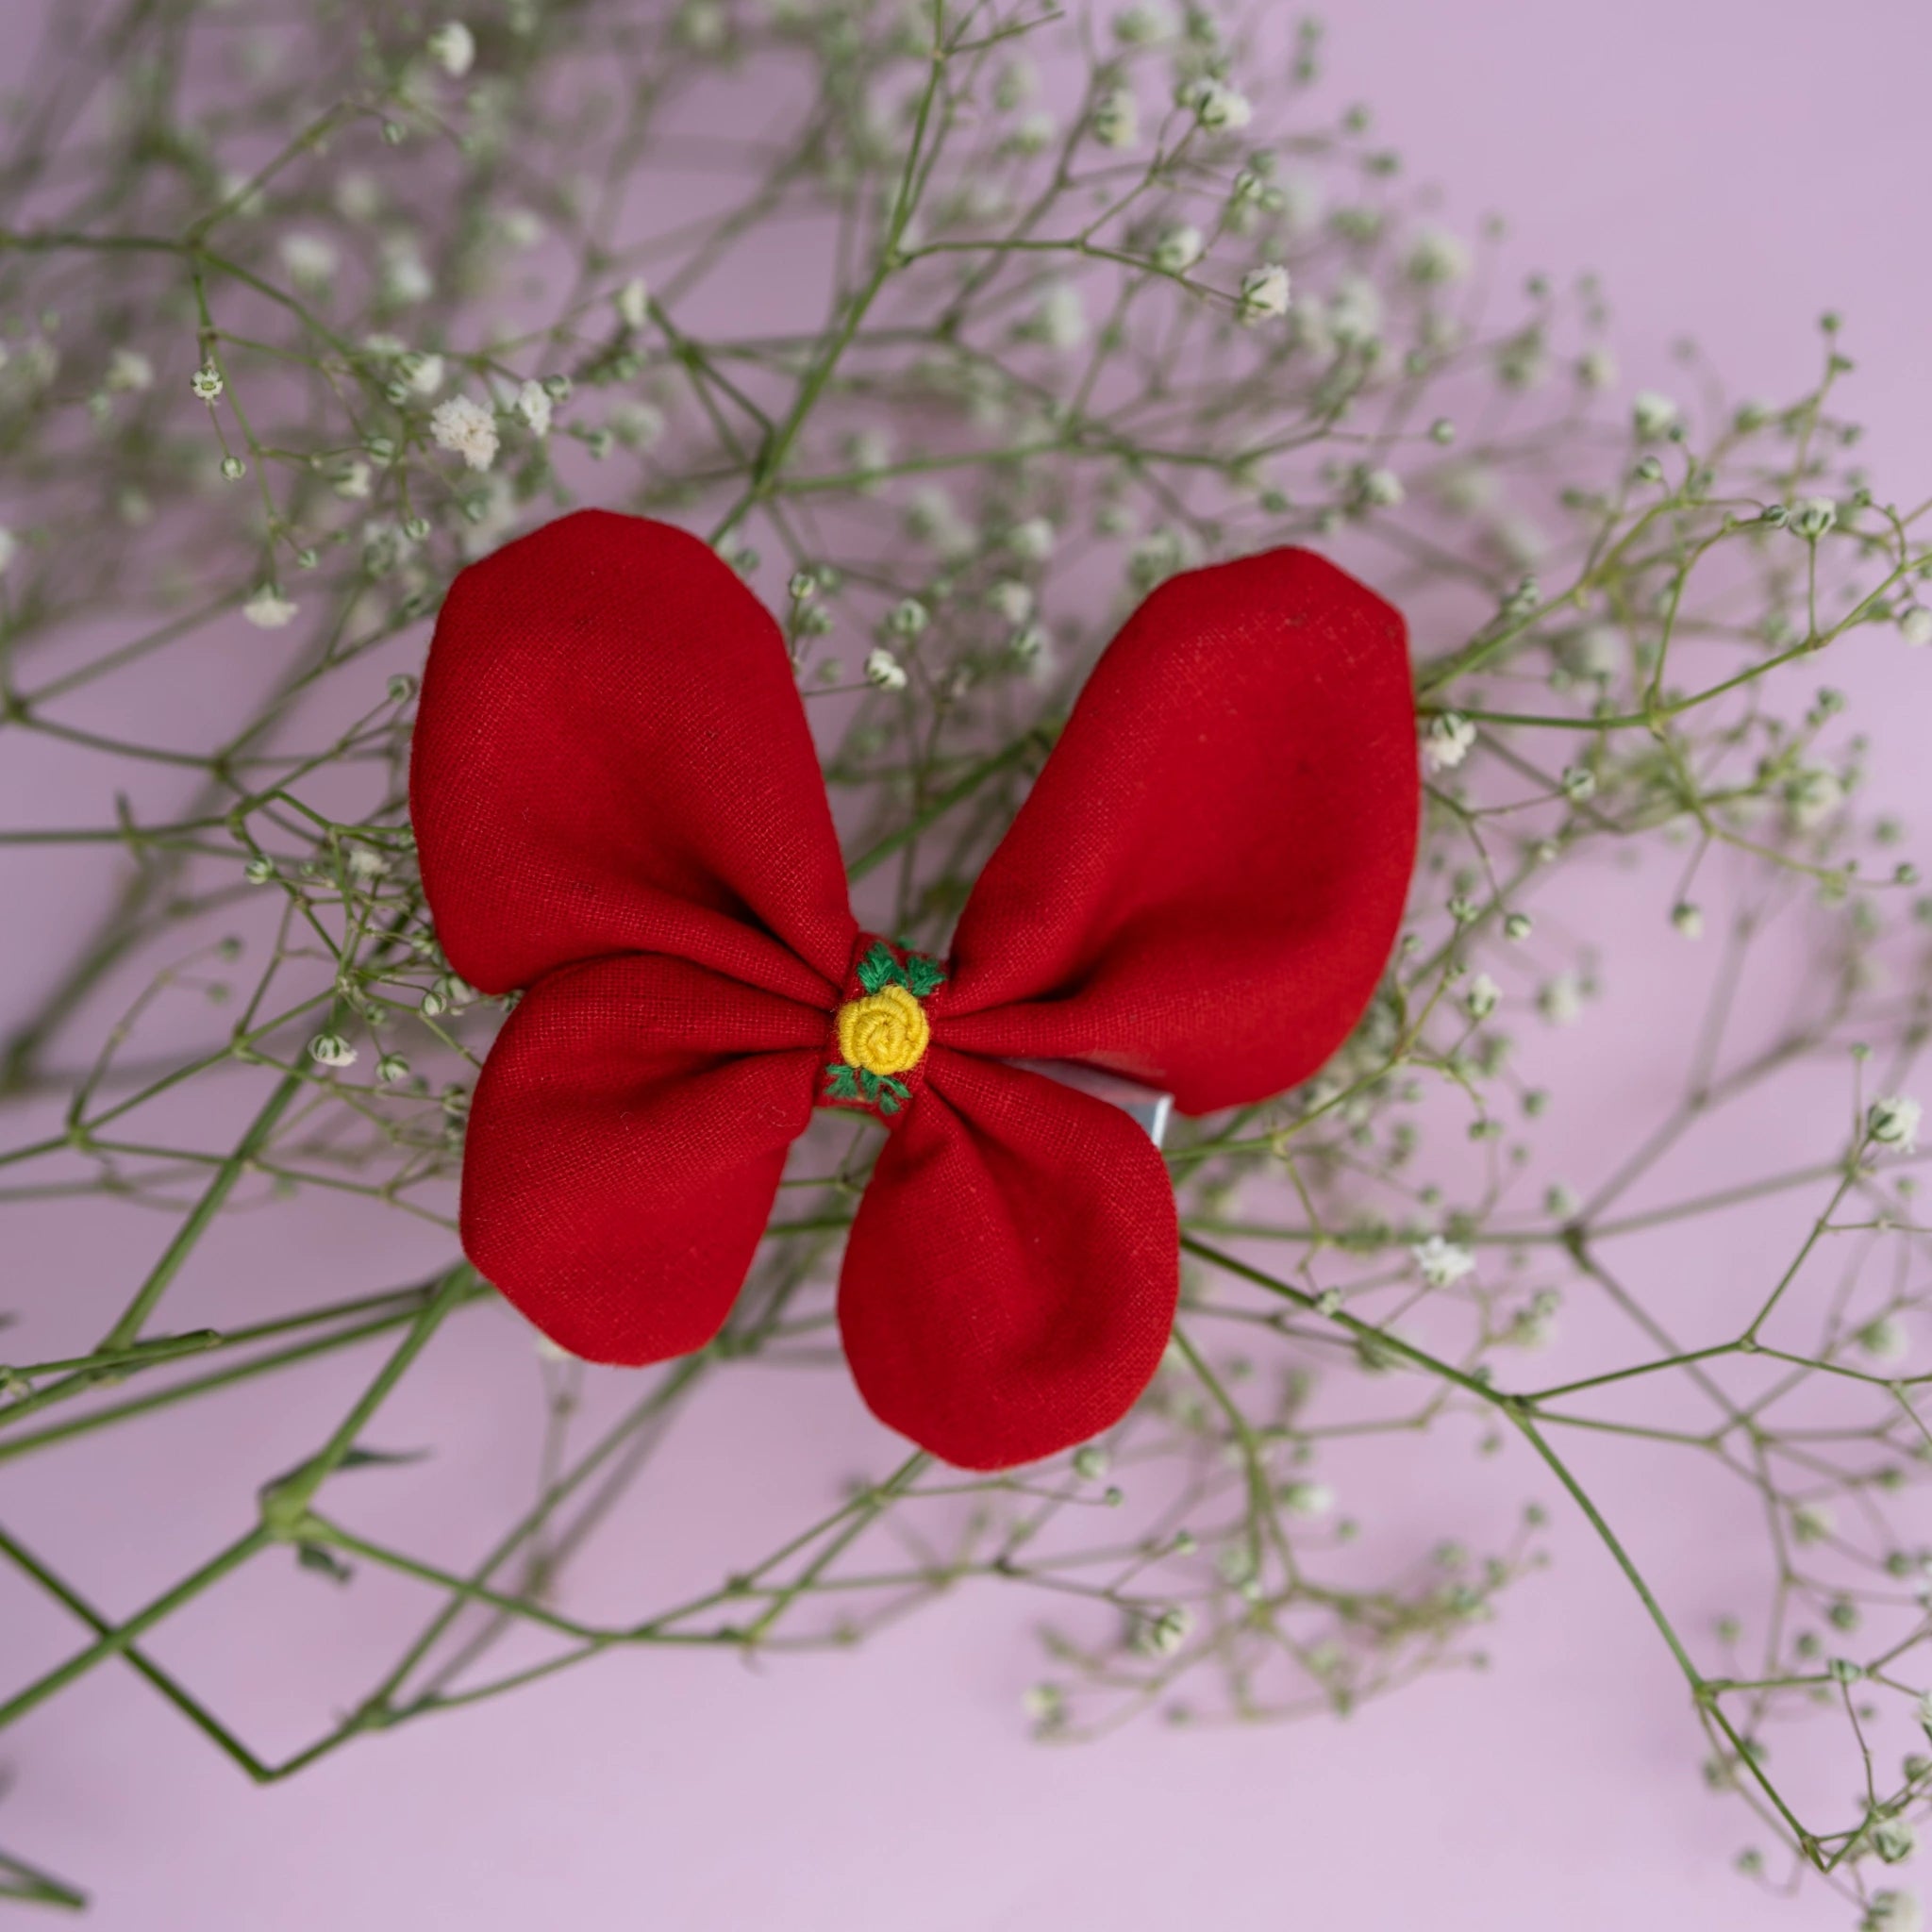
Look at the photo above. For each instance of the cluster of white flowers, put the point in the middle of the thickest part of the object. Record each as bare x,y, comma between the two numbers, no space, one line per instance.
884,669
465,428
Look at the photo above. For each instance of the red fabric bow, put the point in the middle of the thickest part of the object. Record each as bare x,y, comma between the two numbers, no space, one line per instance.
618,808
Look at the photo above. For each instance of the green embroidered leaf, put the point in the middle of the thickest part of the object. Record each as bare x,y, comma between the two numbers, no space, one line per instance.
870,1082
878,968
893,1096
922,975
839,1082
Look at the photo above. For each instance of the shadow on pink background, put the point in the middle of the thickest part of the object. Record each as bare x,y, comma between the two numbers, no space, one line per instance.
1730,170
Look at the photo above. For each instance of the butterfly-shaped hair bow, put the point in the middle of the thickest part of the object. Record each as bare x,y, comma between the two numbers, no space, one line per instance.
619,810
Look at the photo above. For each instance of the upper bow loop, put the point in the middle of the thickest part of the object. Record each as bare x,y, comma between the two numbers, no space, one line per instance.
610,757
1203,887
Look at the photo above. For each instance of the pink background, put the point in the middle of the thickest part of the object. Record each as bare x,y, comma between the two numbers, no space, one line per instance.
1731,169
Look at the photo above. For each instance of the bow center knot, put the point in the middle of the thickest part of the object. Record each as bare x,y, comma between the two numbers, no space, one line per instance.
881,1030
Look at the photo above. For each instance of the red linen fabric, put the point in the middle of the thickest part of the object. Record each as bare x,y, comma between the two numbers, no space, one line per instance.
618,807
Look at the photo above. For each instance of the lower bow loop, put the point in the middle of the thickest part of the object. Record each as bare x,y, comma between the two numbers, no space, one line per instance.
624,1147
1011,1281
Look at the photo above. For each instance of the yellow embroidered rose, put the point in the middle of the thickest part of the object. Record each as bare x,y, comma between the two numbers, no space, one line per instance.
885,1032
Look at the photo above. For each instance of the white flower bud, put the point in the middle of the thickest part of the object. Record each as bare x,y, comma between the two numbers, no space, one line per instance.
1382,489
1596,369
1653,414
1812,516
1011,599
452,48
533,405
1447,741
1441,1262
1216,106
1116,120
1263,295
1164,1634
1560,1000
1894,1122
1885,1340
1437,256
1032,540
633,303
1178,249
268,609
310,260
129,369
1307,1499
1893,1840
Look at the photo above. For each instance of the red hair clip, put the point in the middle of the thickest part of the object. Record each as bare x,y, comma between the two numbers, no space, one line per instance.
619,810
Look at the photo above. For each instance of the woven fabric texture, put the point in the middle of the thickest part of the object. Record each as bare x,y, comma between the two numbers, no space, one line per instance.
619,810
